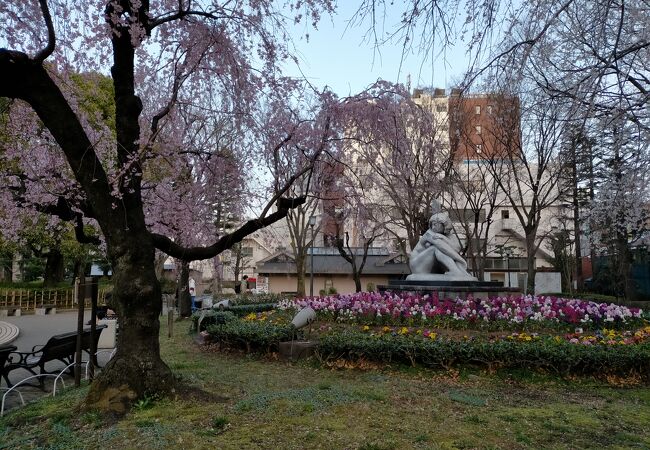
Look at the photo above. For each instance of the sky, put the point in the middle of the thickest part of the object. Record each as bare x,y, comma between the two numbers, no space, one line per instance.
342,58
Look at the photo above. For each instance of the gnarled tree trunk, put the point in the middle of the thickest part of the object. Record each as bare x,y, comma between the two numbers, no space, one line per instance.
136,370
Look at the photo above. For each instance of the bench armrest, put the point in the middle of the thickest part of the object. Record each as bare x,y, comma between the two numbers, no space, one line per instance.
37,346
21,357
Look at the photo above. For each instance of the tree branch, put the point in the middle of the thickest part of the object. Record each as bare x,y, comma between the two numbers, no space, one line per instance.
51,37
81,235
165,244
29,81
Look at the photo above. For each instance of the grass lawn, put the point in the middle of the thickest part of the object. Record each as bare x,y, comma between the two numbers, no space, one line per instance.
251,402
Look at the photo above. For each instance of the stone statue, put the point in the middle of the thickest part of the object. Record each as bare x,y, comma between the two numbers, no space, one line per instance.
436,257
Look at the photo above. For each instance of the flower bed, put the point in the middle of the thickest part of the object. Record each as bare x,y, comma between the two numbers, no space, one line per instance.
556,335
556,356
497,313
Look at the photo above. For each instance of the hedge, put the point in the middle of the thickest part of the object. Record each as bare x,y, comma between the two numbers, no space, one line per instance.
209,317
251,336
562,358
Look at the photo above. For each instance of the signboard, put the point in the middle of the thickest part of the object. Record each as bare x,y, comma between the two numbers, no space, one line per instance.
262,284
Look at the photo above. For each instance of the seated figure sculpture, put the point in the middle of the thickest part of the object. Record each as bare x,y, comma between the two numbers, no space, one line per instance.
436,255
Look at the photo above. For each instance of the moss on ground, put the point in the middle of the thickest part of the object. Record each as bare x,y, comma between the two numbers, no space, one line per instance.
252,402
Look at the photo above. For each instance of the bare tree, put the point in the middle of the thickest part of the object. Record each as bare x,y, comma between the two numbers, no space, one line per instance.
301,237
472,193
528,169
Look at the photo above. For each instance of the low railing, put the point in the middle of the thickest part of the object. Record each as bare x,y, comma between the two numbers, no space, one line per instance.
30,299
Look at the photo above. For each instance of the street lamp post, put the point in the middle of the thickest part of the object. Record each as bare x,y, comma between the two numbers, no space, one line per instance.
312,222
508,267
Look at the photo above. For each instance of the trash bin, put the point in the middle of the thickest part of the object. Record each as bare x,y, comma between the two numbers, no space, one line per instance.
107,338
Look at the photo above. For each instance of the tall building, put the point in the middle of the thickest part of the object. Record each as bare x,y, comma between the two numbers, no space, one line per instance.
483,131
479,126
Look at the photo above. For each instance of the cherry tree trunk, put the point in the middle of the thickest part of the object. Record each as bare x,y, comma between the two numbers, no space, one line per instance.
136,370
54,270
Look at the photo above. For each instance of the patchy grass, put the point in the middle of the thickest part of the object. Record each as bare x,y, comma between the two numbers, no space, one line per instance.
251,402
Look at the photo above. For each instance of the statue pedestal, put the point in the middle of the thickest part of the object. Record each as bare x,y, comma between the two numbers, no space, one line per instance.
447,287
438,277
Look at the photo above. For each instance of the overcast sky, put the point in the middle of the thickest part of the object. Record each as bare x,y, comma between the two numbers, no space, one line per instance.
347,62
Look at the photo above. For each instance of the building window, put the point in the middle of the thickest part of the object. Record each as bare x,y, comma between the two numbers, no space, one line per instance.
489,109
477,109
479,148
505,213
247,252
441,108
478,129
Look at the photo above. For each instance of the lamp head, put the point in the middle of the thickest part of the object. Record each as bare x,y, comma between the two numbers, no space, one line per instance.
304,317
222,304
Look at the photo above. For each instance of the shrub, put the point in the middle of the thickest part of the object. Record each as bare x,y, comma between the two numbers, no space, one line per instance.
244,310
211,318
251,336
253,299
558,357
167,286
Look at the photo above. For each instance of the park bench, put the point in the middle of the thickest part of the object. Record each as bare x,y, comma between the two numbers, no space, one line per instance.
44,310
10,310
5,351
61,347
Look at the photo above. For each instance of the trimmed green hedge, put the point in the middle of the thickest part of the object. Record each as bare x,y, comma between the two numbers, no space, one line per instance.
238,311
244,310
558,357
251,336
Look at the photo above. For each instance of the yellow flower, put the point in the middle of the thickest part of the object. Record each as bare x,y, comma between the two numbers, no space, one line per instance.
404,330
365,328
385,329
418,332
432,336
251,316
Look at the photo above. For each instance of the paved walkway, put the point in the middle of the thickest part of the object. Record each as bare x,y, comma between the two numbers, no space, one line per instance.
8,333
36,330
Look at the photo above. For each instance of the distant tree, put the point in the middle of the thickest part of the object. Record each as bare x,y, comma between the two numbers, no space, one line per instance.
367,232
527,166
471,192
399,153
618,214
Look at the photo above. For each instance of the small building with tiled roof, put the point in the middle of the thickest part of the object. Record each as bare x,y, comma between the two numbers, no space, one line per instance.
331,270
